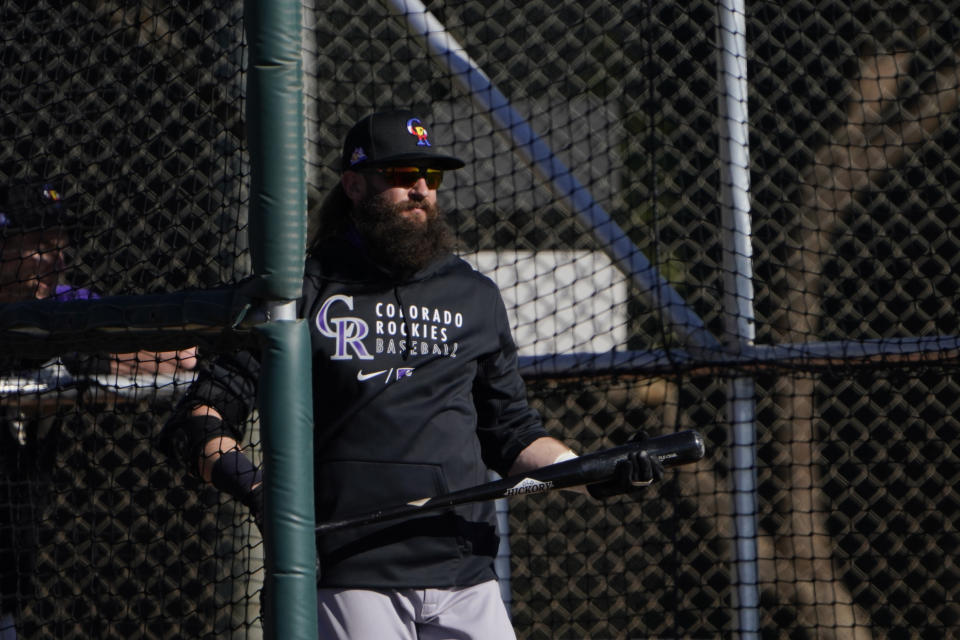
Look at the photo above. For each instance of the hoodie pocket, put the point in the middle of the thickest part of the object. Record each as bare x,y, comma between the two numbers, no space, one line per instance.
395,547
348,488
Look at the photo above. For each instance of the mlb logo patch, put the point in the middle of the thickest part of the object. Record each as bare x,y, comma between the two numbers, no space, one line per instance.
358,155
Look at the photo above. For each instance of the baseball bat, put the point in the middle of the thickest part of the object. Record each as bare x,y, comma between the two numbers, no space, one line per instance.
672,449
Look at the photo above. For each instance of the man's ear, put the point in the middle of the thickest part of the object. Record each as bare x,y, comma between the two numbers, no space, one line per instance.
354,185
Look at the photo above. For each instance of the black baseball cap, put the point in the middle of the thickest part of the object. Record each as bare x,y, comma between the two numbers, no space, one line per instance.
393,138
34,206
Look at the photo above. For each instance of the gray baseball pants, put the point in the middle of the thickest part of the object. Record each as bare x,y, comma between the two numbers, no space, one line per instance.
462,613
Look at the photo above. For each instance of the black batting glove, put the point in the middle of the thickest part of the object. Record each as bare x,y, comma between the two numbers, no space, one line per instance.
234,474
637,470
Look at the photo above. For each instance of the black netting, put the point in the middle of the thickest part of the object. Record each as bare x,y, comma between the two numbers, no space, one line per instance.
136,111
134,114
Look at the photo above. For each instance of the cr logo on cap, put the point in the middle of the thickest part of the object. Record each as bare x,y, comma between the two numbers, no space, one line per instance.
417,129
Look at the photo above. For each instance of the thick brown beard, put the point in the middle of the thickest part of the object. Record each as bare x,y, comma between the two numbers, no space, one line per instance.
400,243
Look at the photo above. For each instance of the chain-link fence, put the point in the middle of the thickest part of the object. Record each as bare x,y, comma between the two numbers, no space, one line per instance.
136,109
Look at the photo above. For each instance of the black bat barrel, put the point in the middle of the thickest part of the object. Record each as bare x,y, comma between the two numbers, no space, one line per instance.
672,449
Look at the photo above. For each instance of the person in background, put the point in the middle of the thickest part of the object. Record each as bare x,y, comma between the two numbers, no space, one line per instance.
35,231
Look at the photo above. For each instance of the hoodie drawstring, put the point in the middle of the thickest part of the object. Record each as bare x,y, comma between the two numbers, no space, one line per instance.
404,329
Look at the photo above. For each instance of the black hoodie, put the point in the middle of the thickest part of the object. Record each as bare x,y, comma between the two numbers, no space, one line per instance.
416,393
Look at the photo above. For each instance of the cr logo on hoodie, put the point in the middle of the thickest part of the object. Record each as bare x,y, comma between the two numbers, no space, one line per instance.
347,331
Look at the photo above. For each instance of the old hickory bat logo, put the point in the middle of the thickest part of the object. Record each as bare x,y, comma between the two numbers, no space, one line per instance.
528,485
525,486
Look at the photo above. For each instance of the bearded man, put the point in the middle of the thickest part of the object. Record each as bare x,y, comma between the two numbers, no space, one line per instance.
416,393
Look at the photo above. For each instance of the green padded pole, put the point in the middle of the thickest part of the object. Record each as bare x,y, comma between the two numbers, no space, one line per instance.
277,235
275,133
286,431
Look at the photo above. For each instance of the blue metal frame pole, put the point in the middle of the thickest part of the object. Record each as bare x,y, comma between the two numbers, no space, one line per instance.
738,299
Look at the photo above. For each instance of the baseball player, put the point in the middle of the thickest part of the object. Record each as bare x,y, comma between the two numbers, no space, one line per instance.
416,393
35,227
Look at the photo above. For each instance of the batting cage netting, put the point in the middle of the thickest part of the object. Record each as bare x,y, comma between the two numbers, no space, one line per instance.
736,220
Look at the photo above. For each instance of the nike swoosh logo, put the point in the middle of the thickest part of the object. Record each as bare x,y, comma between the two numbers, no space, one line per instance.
363,377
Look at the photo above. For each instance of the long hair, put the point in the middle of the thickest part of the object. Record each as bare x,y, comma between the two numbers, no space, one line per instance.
331,219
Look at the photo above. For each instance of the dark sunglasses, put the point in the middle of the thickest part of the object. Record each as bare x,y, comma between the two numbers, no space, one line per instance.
406,177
